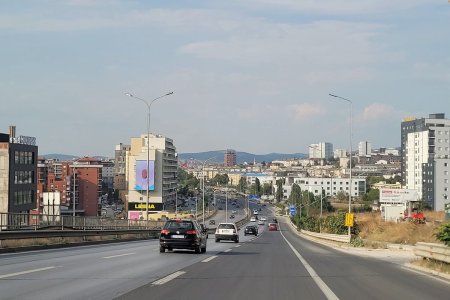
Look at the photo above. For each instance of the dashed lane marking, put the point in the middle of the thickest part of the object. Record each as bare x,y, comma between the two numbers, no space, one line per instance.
168,278
119,255
228,250
25,272
209,259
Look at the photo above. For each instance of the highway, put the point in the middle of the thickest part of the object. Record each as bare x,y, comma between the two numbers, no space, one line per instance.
274,265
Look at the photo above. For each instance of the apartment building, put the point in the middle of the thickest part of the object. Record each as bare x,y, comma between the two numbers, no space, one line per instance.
322,150
18,172
229,159
425,152
152,167
364,148
120,170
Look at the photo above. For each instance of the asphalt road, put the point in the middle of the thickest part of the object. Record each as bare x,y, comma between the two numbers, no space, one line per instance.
274,265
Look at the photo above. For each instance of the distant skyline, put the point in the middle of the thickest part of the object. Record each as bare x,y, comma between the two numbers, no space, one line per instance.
249,75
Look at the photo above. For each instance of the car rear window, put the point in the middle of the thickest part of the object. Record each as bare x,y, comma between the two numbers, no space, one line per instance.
178,225
226,226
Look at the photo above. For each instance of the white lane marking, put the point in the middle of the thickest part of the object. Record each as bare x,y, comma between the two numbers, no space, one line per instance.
25,272
168,278
320,283
237,246
228,250
209,258
119,255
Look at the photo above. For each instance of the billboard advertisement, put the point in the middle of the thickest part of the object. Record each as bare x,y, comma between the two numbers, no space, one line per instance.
139,206
144,176
398,196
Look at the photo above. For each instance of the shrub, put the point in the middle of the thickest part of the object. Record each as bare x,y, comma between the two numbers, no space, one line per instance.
443,234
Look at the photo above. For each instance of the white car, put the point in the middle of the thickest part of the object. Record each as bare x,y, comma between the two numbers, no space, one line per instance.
255,212
252,219
263,219
261,222
227,231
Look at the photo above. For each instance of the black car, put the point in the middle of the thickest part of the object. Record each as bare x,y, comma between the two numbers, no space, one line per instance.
183,234
253,230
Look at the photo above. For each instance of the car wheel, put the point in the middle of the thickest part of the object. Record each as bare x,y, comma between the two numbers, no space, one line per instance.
217,240
162,249
198,249
203,250
236,240
169,249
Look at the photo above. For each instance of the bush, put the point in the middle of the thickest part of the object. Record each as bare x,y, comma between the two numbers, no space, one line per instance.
443,234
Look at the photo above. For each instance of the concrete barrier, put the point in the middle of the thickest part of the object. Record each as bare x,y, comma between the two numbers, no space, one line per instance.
343,238
434,251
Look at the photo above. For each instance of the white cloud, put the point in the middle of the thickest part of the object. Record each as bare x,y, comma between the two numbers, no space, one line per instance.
375,112
305,111
336,6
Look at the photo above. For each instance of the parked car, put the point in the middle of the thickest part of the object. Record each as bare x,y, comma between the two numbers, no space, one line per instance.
227,231
251,229
273,227
183,234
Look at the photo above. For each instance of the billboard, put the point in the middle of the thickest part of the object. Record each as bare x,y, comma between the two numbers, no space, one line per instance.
144,176
140,206
398,196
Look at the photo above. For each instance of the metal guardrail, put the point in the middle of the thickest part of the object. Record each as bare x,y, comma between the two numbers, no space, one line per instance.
31,234
434,251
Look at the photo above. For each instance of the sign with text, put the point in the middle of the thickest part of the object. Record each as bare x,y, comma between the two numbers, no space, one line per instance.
145,177
141,206
349,219
398,196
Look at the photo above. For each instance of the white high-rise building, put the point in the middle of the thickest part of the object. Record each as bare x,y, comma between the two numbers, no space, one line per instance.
364,148
322,150
160,178
340,153
425,152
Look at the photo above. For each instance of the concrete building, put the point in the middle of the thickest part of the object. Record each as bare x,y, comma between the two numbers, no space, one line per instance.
120,170
322,150
18,173
107,174
425,152
229,159
162,175
364,148
340,153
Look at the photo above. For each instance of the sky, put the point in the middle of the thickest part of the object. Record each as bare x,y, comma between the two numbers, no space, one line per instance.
249,75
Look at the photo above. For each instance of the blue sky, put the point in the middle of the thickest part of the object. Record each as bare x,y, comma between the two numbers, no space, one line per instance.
251,75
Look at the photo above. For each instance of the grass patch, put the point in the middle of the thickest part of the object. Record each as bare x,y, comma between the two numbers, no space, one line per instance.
432,264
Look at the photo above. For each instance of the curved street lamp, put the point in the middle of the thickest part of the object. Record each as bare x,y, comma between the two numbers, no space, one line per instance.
351,150
149,106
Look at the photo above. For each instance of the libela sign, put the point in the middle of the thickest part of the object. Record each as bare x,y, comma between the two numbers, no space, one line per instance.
142,206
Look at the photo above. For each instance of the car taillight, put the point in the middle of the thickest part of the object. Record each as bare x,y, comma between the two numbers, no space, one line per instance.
165,231
191,232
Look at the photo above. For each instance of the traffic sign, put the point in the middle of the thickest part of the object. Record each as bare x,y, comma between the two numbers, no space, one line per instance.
349,219
292,210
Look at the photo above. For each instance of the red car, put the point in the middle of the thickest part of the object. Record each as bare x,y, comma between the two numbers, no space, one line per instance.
273,227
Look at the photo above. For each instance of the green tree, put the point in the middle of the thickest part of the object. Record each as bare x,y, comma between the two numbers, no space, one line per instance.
341,196
242,186
257,187
267,189
279,194
296,195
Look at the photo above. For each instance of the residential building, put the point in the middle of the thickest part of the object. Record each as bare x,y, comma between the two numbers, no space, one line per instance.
364,148
322,150
18,172
229,159
340,153
425,152
120,183
157,176
107,174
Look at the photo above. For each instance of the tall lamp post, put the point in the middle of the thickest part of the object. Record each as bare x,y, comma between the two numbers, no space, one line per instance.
351,150
203,183
149,106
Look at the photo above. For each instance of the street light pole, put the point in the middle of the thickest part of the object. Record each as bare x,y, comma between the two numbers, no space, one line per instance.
203,180
149,106
351,150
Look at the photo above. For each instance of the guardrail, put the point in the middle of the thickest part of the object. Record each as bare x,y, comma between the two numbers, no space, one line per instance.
30,234
434,251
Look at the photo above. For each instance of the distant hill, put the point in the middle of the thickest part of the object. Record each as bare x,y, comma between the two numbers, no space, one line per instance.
241,157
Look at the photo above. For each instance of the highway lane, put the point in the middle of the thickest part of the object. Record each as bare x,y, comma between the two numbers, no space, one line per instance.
281,265
94,272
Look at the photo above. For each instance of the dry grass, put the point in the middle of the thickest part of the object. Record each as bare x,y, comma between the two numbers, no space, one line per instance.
374,230
435,265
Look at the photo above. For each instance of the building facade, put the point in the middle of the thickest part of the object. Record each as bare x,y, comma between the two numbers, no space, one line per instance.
229,159
120,183
18,173
160,179
364,148
322,150
425,152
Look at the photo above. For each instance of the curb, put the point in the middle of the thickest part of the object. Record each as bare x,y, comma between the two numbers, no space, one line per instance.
443,276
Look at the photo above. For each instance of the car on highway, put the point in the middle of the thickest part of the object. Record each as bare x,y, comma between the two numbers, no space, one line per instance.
255,212
252,219
234,211
261,222
263,218
232,216
251,229
183,234
212,222
227,231
273,227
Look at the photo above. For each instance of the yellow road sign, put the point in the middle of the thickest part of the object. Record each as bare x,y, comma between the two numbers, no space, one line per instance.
349,219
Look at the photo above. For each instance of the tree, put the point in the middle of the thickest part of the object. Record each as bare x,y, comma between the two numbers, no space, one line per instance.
296,195
267,189
279,194
220,179
242,186
257,187
341,196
